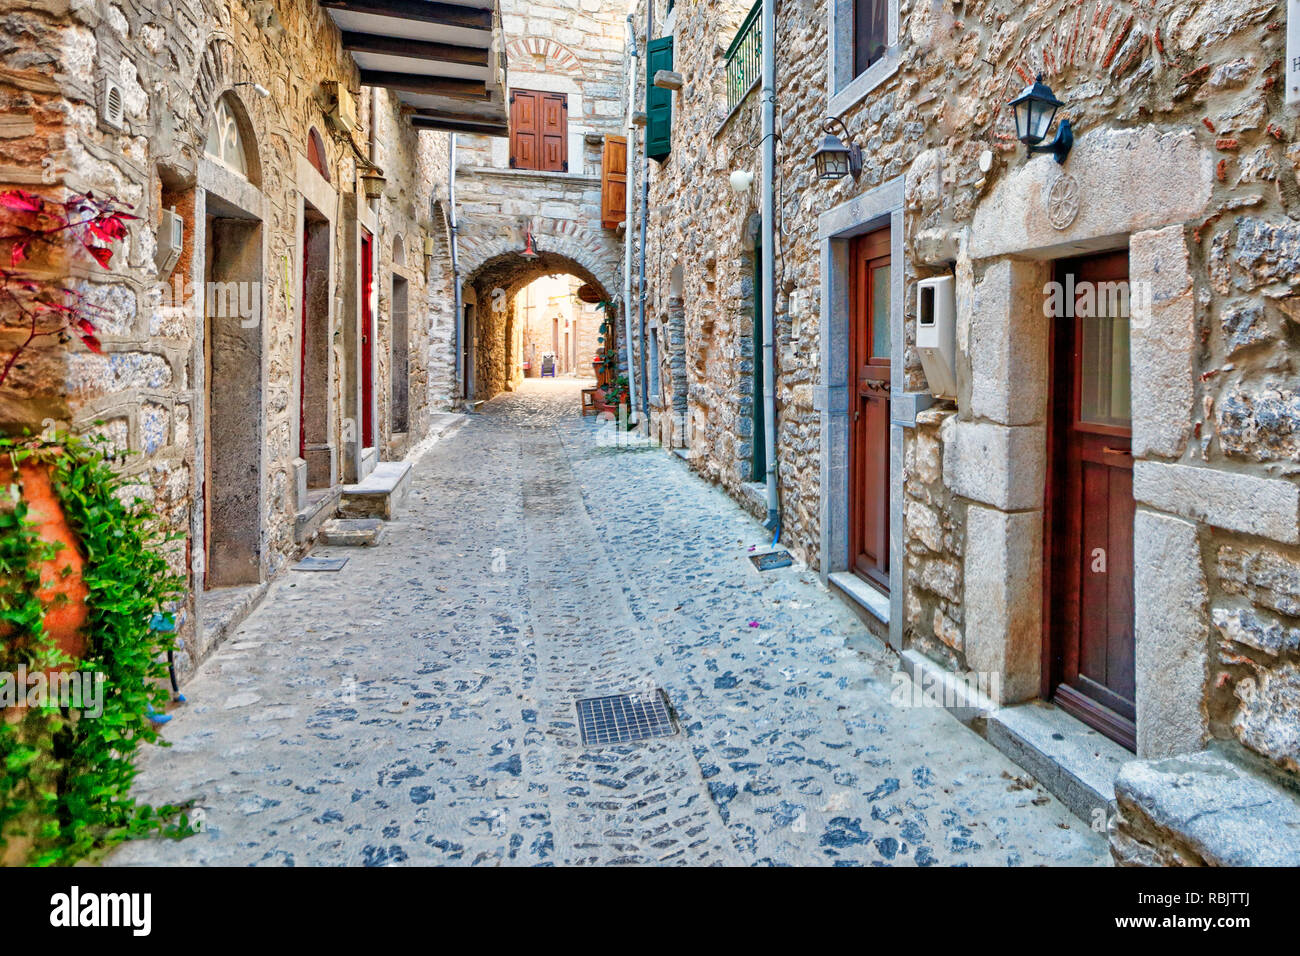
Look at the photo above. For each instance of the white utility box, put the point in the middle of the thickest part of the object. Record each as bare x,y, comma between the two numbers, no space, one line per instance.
171,242
936,334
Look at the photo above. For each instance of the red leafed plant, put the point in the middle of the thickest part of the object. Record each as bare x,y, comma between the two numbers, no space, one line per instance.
38,228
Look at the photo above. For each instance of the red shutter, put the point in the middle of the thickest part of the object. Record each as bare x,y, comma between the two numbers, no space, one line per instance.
524,147
555,133
613,182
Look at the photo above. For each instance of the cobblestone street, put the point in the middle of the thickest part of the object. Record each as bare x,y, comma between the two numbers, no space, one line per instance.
417,707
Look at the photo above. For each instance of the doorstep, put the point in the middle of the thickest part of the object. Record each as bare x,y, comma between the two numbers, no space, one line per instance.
319,507
1073,762
1204,808
862,594
379,494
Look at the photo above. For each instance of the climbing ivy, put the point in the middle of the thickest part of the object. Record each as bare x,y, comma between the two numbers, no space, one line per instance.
66,777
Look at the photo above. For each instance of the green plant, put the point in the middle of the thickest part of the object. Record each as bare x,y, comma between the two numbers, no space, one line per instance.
65,777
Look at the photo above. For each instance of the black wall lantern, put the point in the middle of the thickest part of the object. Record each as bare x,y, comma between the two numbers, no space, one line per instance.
1035,109
835,160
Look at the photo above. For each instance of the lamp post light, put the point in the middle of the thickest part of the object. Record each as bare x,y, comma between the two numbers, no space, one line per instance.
1034,111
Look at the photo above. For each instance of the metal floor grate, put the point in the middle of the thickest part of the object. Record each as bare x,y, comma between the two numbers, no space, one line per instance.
320,564
772,560
624,718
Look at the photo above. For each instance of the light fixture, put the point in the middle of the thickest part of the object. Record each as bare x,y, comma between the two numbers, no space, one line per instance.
1034,110
258,88
529,252
741,180
835,160
372,182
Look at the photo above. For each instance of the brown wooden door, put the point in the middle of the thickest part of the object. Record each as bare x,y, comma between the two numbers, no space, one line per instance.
1090,501
539,131
869,349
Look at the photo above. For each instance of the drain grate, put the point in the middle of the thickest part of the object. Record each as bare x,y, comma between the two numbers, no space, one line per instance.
320,564
624,718
772,560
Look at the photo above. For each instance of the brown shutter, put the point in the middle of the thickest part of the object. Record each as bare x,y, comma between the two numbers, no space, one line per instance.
524,146
613,182
555,132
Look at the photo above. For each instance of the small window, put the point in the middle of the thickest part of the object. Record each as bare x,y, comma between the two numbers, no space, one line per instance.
870,32
225,142
539,131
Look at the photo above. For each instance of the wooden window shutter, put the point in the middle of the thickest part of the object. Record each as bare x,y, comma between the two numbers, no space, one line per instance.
613,182
525,149
555,132
658,102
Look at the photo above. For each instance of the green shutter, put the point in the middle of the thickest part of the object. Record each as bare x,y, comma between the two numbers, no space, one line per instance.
658,102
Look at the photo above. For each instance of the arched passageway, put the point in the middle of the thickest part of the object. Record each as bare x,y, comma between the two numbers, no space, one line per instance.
506,334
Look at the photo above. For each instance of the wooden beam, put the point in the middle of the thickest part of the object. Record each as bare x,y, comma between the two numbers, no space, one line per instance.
421,122
442,14
431,85
415,49
426,112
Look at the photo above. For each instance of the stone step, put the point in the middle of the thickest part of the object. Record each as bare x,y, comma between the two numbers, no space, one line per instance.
380,494
352,532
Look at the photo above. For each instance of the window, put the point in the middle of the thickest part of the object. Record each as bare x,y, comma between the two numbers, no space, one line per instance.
316,153
539,131
225,142
870,32
658,101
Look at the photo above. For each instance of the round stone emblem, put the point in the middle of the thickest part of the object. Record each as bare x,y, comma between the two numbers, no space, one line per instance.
1063,202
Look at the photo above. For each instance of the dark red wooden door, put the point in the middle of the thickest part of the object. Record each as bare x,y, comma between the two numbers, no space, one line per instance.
869,349
1091,506
367,342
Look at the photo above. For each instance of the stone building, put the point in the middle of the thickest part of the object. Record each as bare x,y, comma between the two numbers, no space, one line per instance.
543,189
304,339
1091,534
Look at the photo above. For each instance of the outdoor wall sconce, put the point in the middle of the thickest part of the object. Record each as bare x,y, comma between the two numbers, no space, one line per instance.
529,252
741,180
373,182
668,80
1035,109
835,160
258,88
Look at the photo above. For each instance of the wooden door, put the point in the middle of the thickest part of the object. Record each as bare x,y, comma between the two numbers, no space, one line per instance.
367,342
1090,502
539,131
869,350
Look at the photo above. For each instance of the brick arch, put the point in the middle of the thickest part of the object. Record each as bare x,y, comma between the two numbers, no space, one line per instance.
218,69
525,48
573,247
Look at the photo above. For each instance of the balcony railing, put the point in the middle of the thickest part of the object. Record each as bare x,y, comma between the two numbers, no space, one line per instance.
745,57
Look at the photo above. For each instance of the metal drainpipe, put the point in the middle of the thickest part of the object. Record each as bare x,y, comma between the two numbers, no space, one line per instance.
629,236
459,317
768,95
645,215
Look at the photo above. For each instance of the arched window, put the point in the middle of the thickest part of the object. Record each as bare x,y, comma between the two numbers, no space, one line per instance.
316,153
399,251
225,142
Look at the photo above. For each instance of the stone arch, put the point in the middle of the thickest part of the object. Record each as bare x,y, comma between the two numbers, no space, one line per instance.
525,49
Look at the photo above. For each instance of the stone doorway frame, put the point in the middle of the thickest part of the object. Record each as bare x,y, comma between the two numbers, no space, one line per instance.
874,209
226,195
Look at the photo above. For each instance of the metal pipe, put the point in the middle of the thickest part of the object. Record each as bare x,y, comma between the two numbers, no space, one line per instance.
630,233
768,96
459,318
645,215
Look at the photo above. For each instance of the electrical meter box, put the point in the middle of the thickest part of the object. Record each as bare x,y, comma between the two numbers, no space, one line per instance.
936,334
171,241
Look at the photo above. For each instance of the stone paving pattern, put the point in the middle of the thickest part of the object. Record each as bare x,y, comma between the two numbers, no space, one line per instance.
418,706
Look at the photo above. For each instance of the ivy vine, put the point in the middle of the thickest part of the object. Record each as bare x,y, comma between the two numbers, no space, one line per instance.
65,777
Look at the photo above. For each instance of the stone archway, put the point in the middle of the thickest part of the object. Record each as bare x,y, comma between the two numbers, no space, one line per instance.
496,281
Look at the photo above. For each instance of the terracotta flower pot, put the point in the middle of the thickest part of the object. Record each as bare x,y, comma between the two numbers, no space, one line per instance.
65,620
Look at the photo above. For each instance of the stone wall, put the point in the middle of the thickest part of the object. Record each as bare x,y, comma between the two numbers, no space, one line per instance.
150,389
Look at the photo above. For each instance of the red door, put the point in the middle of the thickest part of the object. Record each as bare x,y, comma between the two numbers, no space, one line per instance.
1090,502
367,343
869,349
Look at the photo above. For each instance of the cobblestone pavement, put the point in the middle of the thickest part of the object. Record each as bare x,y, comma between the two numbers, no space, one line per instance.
418,706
